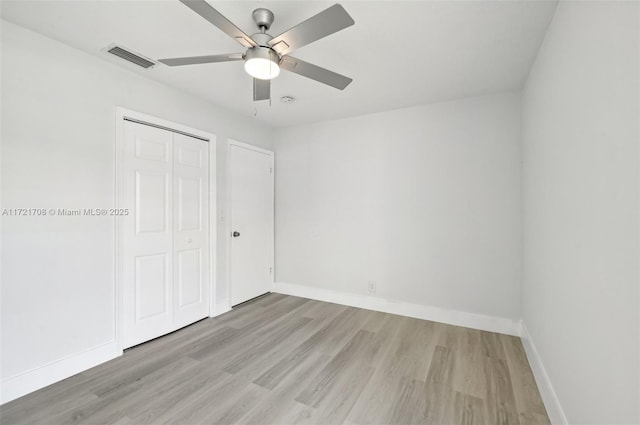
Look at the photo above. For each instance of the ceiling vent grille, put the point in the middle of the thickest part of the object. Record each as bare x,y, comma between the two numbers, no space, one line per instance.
129,56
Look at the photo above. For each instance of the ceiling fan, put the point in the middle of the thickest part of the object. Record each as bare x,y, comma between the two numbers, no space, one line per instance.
266,55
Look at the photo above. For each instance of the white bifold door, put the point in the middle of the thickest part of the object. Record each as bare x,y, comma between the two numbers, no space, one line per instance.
165,246
251,223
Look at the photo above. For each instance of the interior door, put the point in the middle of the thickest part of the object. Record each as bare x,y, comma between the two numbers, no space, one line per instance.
251,222
165,246
191,229
148,233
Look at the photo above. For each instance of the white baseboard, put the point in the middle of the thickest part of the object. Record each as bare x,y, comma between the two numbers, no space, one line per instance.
548,394
24,383
419,311
57,370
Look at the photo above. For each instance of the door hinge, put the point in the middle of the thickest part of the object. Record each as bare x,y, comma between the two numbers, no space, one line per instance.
270,270
271,170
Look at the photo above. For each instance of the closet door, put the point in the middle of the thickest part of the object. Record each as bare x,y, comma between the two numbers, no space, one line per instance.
148,233
191,229
165,244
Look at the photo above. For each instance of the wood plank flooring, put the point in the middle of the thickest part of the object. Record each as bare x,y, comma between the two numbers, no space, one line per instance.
288,360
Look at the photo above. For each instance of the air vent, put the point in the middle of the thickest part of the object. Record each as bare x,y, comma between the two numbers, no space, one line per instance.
129,56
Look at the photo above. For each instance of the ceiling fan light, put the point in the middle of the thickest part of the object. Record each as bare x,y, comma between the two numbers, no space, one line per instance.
262,63
262,69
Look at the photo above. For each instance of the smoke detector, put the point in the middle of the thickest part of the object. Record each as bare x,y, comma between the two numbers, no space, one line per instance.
287,99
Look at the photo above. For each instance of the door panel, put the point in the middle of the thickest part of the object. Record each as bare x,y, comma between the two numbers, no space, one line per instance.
190,156
251,212
152,275
153,150
191,229
147,244
152,202
189,204
189,272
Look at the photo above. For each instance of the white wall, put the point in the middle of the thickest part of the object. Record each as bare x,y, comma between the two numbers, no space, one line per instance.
58,139
424,201
580,185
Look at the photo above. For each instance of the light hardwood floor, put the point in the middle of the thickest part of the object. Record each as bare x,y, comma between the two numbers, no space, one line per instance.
288,360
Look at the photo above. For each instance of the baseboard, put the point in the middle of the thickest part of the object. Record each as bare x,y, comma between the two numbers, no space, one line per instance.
548,394
57,370
419,311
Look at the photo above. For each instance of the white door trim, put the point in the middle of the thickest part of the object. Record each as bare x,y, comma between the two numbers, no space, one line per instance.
121,114
232,142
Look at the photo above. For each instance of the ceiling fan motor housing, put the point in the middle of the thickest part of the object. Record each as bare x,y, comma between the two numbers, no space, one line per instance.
262,50
262,39
261,53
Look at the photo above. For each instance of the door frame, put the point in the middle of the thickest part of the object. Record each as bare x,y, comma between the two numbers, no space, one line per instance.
271,154
121,115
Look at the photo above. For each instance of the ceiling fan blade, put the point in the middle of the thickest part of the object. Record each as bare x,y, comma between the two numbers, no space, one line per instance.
319,26
207,11
261,89
315,72
194,60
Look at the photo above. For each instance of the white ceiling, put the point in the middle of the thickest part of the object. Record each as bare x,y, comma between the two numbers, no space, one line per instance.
399,53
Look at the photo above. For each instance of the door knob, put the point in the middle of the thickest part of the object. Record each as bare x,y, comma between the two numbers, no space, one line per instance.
235,234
